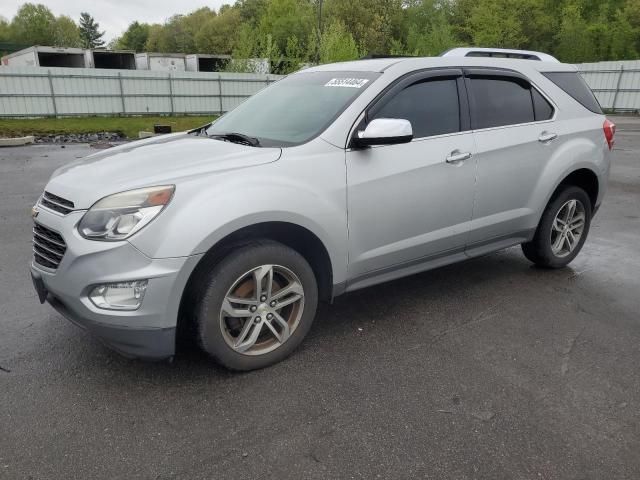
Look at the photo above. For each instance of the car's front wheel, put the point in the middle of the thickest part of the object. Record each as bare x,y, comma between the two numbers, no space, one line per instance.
258,304
562,231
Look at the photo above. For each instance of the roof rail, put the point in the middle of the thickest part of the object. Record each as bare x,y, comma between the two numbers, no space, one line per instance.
376,56
499,53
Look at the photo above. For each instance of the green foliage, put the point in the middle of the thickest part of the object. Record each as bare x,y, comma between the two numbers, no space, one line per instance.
291,33
90,35
284,19
251,11
372,23
66,33
429,29
33,24
573,41
338,45
179,33
134,38
5,32
218,33
497,23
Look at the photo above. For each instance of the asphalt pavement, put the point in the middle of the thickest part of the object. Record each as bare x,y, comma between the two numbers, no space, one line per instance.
489,369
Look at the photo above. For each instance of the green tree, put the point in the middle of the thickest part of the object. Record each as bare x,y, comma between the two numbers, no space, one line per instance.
219,33
285,18
179,33
573,41
251,11
135,37
66,33
631,12
623,38
372,23
337,44
246,44
429,29
5,31
192,23
33,25
90,33
497,23
156,39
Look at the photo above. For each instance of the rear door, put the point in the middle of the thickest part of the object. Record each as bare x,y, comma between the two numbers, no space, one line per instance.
515,137
408,203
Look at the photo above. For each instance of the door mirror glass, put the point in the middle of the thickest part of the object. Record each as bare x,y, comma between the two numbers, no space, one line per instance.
384,131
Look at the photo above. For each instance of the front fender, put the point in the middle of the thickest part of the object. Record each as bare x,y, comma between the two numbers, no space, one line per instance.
205,211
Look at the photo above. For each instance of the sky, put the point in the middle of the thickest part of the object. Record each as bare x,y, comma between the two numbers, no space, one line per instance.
114,16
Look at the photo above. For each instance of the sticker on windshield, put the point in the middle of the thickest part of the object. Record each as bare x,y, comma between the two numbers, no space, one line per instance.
347,82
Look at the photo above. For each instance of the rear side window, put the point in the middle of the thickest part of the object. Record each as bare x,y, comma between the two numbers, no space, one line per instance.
498,102
431,106
575,86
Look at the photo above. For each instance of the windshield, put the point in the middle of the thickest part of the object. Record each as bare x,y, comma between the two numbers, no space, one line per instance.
295,109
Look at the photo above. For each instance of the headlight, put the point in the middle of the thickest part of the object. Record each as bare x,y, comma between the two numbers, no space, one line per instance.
119,216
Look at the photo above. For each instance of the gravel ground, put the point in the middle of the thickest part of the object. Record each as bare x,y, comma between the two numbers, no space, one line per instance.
486,369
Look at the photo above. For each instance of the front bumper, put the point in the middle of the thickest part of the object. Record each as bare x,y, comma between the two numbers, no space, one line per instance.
148,332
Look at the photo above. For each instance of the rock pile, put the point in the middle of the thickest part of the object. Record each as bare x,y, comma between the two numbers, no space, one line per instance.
81,138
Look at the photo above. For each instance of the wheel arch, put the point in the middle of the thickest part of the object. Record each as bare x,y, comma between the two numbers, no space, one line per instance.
294,236
584,178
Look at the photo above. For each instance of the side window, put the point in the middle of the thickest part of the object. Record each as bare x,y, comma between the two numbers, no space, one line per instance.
431,106
573,84
498,102
542,108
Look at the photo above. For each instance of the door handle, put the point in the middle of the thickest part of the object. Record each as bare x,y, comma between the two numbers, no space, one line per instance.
546,137
457,156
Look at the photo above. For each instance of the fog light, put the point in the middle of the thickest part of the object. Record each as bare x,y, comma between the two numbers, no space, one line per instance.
119,296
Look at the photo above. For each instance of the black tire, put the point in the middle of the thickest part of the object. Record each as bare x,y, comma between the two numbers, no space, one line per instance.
215,285
539,249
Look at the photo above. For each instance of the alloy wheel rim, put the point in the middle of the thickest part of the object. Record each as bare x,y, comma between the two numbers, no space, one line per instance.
567,228
262,309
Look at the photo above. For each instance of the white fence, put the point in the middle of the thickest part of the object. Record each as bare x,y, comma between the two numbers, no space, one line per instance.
59,92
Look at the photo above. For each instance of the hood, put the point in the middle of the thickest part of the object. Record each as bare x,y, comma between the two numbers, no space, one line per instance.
156,161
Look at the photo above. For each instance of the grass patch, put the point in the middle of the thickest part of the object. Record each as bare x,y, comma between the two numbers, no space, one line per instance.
128,126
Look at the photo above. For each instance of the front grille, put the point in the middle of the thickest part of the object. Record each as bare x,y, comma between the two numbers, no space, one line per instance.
57,204
48,247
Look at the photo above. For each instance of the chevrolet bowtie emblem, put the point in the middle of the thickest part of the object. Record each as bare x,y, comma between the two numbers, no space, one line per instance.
34,211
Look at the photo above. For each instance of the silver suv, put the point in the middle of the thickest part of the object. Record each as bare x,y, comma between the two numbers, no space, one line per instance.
333,179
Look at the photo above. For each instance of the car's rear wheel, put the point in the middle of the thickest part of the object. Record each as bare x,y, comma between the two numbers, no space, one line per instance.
562,231
258,305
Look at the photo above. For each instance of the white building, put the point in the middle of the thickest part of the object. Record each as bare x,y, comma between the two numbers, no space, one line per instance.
199,62
167,62
47,57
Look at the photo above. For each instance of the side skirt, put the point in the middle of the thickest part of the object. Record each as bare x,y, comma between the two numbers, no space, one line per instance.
434,261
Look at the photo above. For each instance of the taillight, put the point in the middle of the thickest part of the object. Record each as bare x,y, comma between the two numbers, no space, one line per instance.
609,132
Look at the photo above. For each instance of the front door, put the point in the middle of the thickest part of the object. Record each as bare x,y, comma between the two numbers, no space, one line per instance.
413,202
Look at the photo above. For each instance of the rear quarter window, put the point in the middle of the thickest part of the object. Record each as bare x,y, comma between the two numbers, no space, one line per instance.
574,85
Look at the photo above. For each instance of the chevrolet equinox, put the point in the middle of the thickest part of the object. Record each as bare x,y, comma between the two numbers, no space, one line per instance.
334,178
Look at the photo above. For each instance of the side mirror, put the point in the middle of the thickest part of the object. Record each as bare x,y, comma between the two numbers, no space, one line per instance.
384,131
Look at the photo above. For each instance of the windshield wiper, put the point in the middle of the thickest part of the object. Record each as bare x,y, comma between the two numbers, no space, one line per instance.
235,137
